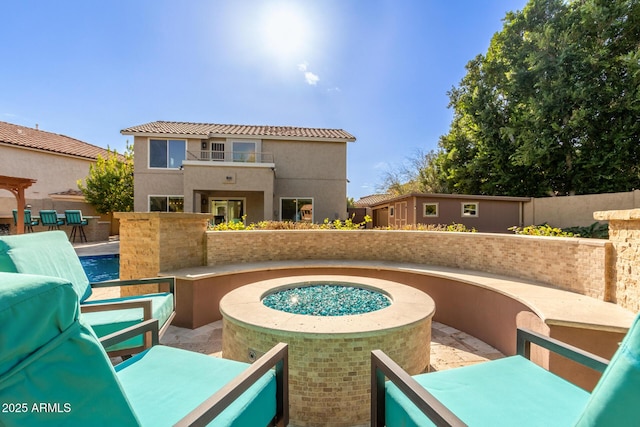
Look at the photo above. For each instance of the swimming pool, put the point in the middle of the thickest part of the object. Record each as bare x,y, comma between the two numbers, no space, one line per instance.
101,267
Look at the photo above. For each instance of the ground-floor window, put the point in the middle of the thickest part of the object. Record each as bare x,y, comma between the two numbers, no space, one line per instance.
296,209
166,204
227,210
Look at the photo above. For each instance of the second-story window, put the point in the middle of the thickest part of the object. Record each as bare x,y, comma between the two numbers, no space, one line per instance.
244,152
167,153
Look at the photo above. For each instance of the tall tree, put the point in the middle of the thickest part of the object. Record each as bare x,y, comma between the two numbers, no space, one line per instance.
554,105
418,174
109,185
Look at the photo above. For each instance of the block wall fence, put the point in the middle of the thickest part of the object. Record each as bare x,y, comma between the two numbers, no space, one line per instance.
604,269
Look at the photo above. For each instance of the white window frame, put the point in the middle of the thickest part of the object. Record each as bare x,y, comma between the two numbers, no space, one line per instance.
164,139
313,204
167,196
469,215
424,210
257,144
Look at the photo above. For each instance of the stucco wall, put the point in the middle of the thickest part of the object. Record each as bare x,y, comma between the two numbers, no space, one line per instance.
570,211
54,173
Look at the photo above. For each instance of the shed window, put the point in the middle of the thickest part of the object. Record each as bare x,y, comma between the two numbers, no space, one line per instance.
470,209
430,209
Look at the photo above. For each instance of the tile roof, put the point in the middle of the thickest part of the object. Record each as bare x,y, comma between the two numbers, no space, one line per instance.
372,199
212,129
46,141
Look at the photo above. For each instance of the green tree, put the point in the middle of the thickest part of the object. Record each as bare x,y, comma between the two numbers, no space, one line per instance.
418,174
554,105
109,185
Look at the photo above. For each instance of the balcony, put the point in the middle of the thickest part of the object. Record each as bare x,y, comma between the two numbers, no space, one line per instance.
230,156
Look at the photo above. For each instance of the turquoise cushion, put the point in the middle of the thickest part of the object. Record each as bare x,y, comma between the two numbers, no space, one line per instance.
107,322
52,368
506,392
47,253
615,401
164,384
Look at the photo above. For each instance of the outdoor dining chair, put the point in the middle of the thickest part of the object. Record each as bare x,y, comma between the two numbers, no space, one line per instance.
28,221
49,218
511,391
51,254
54,371
74,219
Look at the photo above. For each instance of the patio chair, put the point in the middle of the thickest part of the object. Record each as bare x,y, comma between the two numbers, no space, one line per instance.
75,220
511,391
54,371
49,218
28,221
51,254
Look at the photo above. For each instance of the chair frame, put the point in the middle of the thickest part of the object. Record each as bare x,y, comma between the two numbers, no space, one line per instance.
382,365
76,225
126,305
276,358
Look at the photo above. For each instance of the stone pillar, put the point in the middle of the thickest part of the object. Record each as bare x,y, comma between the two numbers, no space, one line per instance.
154,242
624,264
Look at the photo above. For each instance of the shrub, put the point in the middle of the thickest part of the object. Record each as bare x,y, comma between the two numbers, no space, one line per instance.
290,225
542,230
432,227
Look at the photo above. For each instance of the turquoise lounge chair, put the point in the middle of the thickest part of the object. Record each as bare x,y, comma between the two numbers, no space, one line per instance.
54,371
50,254
512,391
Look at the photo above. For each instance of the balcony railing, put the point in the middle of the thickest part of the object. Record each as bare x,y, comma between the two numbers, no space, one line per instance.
230,156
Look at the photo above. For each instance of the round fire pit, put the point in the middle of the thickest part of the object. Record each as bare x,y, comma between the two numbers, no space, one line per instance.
329,355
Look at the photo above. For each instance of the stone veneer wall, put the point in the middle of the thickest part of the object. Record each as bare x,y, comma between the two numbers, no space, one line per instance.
578,265
624,233
326,368
151,242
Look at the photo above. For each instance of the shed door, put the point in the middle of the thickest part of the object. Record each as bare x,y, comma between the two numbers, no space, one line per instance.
401,214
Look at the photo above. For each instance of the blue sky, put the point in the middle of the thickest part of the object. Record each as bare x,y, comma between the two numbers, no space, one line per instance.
379,69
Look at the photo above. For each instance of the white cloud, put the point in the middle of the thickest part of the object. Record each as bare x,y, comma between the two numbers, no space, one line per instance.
309,77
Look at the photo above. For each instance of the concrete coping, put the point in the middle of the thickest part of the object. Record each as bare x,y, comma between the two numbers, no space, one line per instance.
409,306
552,305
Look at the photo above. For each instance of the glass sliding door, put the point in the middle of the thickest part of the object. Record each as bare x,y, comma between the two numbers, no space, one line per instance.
296,209
227,210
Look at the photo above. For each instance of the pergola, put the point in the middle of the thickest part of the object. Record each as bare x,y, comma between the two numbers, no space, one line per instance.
17,187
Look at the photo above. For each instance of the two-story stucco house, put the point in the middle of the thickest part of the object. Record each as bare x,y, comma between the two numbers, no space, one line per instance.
263,172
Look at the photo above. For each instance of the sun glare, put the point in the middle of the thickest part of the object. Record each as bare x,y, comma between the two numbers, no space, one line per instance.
286,31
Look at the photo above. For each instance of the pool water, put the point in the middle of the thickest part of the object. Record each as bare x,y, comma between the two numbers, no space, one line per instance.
326,299
101,267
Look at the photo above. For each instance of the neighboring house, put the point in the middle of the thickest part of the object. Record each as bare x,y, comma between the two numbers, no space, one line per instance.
231,171
55,161
484,213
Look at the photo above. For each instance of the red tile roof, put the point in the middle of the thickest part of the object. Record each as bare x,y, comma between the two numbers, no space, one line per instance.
46,141
212,129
